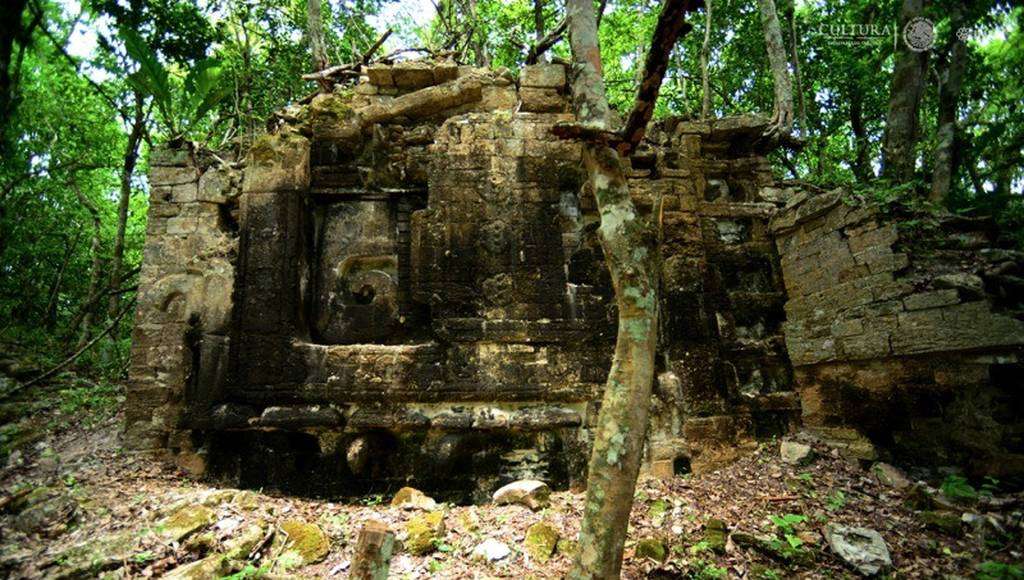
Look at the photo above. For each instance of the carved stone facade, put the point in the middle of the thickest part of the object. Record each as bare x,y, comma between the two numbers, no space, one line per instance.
404,283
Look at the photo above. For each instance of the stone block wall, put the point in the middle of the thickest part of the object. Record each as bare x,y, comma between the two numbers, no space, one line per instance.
183,316
907,328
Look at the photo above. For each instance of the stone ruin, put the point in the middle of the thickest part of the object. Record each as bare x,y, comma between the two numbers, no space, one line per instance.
402,283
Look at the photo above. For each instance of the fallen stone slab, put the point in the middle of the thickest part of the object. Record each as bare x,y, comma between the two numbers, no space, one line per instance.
528,492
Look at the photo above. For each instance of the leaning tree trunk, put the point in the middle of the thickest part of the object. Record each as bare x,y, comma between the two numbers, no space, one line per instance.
86,321
705,61
316,42
782,111
630,250
902,122
131,156
944,171
861,163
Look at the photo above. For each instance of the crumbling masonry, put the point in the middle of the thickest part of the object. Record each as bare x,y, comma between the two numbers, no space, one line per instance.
404,284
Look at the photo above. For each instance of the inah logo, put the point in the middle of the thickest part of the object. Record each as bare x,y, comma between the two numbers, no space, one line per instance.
919,34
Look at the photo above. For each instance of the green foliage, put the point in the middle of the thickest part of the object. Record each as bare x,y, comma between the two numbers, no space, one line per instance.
202,89
992,570
786,528
956,487
836,501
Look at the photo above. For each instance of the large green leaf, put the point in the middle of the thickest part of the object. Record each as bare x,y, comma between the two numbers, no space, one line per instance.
151,76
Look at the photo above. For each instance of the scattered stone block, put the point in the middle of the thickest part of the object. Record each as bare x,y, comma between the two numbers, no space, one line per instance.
186,521
890,475
410,498
528,492
651,548
716,534
795,453
946,522
491,550
541,541
303,543
538,100
423,532
863,549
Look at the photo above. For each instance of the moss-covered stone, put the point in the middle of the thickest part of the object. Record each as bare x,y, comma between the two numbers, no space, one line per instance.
423,533
715,534
306,541
242,543
92,557
944,521
541,541
186,521
213,566
652,548
567,547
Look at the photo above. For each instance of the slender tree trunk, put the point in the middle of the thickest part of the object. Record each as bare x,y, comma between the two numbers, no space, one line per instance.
944,171
538,19
861,163
316,42
86,320
782,111
131,157
902,121
705,60
794,54
630,249
58,281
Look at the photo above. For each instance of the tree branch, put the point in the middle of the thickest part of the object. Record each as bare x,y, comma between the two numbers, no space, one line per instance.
671,26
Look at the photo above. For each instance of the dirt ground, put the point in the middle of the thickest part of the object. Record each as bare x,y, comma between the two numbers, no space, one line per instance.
110,512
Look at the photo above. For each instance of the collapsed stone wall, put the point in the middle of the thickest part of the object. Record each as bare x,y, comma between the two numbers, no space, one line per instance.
414,288
403,282
907,328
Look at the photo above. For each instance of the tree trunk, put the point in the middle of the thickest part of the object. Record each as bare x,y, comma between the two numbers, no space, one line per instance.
316,42
705,59
538,19
782,111
10,31
630,251
795,60
861,164
902,121
131,156
86,320
949,95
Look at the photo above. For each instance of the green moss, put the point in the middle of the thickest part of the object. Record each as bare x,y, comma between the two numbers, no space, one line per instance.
541,541
424,532
187,521
652,548
943,521
715,533
307,541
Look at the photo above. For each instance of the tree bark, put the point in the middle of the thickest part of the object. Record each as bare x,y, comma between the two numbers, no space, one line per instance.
861,164
316,42
945,168
782,110
795,60
86,321
630,249
10,31
131,156
705,59
538,19
902,121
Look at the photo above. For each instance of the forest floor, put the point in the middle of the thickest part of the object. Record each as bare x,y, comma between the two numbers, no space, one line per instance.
76,505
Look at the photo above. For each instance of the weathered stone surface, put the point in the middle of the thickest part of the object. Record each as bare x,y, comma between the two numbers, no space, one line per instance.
796,453
890,475
306,541
541,541
413,499
548,76
862,549
46,511
213,566
541,100
278,162
651,548
530,493
491,550
423,532
186,521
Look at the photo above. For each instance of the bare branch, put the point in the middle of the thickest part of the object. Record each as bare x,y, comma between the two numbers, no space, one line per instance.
671,26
